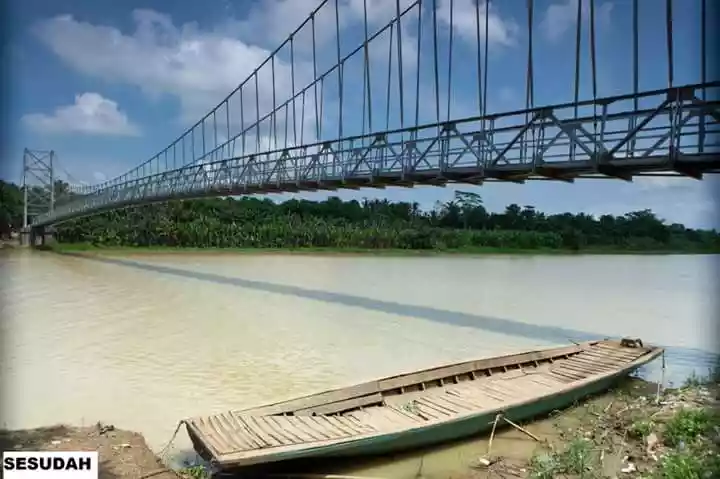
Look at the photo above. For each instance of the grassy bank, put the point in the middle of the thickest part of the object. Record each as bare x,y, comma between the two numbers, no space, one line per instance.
632,433
470,251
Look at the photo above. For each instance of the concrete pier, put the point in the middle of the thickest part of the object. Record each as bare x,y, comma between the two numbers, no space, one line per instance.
40,236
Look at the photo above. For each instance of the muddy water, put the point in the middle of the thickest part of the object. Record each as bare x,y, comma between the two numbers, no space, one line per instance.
143,341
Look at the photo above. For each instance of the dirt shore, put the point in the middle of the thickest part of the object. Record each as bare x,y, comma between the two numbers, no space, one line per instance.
628,432
123,454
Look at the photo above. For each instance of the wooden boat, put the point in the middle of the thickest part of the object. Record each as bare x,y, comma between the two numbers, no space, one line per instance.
415,409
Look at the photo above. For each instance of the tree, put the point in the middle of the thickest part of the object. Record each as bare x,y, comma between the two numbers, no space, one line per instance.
463,222
11,207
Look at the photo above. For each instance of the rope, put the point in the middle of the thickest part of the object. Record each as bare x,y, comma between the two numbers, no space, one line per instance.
450,58
417,66
435,58
162,454
389,77
661,384
400,65
157,472
669,35
164,450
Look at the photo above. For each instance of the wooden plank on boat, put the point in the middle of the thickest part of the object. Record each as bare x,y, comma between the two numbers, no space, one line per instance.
316,400
462,402
253,423
477,394
565,376
289,429
620,352
243,429
427,411
617,354
593,363
442,401
581,369
355,425
276,430
240,440
330,426
221,442
468,366
544,379
313,428
595,366
342,425
392,416
444,409
340,406
598,356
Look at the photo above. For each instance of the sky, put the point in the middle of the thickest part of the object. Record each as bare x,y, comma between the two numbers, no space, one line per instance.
108,84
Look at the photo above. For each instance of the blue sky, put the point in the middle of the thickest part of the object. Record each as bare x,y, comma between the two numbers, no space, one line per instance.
108,84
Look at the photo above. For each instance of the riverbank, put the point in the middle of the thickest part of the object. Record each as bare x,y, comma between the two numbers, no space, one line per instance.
123,454
629,432
477,251
625,432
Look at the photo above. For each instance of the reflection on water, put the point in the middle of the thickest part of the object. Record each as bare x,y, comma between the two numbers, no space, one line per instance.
143,341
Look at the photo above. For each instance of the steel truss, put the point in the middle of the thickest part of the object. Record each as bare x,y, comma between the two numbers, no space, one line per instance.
679,135
38,181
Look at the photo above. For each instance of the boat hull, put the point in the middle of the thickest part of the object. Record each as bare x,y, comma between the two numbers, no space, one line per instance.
570,388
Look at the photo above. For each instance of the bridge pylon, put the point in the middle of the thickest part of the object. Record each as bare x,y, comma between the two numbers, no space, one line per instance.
38,188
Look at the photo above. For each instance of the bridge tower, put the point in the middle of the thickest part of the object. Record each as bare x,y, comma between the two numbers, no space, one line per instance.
38,194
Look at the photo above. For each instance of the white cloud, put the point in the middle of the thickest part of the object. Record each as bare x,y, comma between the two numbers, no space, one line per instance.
198,67
561,16
664,182
91,114
500,31
272,21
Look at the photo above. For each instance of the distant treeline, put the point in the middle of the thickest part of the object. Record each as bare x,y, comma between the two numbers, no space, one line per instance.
462,223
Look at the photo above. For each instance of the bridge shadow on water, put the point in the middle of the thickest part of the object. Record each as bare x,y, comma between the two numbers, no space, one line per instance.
682,361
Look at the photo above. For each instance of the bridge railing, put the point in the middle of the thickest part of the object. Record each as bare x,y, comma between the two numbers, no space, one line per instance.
680,133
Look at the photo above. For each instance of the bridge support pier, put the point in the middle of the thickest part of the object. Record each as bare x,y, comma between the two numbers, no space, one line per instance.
25,237
40,236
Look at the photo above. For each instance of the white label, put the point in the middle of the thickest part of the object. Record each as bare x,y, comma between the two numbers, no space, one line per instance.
50,465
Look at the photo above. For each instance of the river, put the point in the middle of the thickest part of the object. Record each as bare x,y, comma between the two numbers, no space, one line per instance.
141,341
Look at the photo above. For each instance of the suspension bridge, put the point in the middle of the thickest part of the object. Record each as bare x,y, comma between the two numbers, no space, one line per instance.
385,112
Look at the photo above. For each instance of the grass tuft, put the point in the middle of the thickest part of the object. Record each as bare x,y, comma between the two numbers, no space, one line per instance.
578,459
687,425
194,472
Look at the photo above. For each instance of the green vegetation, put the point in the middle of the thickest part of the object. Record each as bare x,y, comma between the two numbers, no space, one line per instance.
11,203
11,208
194,472
462,224
677,437
687,425
577,459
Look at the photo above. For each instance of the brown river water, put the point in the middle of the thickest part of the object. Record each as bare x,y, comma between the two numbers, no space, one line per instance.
142,341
